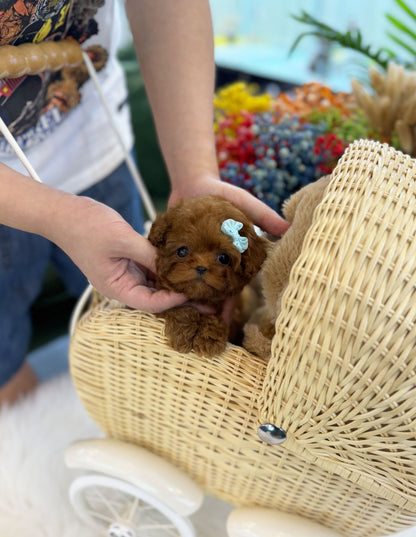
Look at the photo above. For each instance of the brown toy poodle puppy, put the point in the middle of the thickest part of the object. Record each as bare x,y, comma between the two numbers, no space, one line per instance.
208,250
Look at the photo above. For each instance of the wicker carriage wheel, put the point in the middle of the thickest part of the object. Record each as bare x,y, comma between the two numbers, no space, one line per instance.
341,380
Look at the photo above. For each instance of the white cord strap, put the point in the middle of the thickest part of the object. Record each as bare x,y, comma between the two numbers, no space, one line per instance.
147,202
22,157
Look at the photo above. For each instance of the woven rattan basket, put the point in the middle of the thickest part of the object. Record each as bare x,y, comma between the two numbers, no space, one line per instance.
341,380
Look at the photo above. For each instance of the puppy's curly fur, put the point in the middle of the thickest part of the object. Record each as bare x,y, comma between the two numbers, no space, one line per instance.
196,258
275,273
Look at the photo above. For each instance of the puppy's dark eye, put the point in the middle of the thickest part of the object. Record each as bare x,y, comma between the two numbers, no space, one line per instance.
183,251
224,259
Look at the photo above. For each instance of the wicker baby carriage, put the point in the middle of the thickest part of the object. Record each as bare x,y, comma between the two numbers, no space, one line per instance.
340,384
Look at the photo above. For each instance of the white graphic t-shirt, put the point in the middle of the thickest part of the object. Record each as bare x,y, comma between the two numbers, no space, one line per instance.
57,118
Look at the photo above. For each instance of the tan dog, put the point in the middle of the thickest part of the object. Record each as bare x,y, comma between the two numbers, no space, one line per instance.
208,250
274,276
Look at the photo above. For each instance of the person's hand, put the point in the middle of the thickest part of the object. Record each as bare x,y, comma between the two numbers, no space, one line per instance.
117,261
261,215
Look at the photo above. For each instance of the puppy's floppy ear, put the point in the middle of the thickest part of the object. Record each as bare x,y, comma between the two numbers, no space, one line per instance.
252,259
159,229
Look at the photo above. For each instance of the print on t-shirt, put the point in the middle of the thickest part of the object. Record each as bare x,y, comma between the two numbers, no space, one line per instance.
32,106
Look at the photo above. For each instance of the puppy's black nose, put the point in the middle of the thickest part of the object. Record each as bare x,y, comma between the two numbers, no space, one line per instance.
201,270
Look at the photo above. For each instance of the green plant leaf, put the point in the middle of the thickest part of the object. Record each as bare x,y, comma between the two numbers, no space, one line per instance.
406,9
299,39
390,53
402,44
402,27
349,39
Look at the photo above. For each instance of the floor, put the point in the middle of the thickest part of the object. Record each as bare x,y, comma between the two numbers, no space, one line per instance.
51,359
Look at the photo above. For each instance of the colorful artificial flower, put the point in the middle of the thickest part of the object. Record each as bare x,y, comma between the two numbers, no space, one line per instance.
274,146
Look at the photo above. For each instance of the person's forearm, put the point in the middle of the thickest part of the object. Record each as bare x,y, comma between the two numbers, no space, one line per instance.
174,45
30,206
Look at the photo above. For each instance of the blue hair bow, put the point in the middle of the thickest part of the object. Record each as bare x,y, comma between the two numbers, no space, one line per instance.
232,227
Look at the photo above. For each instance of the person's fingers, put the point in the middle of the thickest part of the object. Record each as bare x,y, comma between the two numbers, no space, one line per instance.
202,308
269,221
137,248
261,214
146,299
228,309
134,287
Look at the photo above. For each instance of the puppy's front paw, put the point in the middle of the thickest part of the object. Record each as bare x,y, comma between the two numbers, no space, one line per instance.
181,327
256,342
211,336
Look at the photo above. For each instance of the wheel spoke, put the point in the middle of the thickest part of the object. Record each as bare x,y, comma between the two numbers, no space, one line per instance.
112,505
165,527
155,521
99,516
136,506
149,519
104,502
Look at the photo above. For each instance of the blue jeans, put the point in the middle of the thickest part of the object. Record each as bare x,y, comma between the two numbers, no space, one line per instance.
24,258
